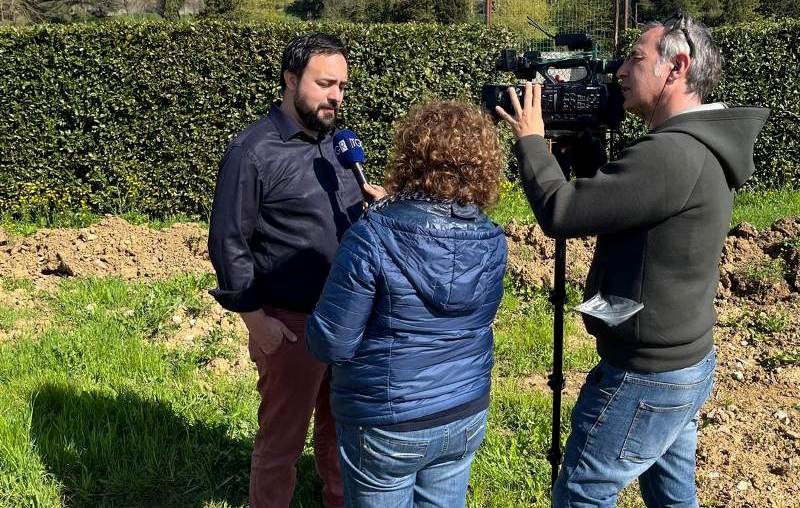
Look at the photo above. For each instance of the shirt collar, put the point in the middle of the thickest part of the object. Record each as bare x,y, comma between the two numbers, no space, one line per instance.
287,127
703,107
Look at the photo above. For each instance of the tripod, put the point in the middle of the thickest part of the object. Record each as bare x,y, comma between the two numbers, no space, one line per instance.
558,297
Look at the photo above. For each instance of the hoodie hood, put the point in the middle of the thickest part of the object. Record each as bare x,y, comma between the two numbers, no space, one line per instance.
449,260
732,144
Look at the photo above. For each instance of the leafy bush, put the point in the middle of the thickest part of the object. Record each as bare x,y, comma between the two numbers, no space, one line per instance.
762,67
120,117
134,117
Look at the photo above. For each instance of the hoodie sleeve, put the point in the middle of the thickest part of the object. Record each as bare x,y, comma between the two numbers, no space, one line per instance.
651,181
335,328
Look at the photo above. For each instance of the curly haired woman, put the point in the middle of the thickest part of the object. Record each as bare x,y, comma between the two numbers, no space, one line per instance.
405,317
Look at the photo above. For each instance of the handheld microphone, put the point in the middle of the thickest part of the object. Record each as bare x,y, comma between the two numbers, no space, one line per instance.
350,153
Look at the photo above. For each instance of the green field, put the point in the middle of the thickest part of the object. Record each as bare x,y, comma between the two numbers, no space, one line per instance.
101,410
101,407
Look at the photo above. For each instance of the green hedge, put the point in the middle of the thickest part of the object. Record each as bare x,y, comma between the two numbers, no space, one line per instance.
118,117
761,68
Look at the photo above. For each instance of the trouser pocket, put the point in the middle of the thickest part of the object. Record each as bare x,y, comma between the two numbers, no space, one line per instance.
652,429
474,434
390,454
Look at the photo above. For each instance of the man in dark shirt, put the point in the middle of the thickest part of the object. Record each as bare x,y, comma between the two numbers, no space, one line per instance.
281,206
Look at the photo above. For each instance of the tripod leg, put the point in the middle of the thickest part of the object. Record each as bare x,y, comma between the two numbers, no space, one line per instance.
556,381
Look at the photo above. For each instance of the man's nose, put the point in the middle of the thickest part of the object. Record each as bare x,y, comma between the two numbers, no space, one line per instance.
336,95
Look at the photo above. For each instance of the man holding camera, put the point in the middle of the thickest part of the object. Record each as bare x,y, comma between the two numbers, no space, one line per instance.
281,206
660,212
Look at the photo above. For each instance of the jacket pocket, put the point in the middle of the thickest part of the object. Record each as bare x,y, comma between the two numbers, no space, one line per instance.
618,270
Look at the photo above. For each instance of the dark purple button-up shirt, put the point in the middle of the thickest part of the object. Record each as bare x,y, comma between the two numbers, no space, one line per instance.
281,206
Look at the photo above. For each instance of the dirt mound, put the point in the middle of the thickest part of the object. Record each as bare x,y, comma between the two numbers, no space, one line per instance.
531,256
112,247
762,267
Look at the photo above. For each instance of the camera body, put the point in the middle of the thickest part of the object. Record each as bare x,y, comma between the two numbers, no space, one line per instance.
589,99
566,106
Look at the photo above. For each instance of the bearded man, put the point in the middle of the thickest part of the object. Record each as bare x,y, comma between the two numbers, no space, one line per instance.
281,205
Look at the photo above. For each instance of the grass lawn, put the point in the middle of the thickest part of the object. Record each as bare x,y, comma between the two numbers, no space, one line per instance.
100,409
763,208
759,208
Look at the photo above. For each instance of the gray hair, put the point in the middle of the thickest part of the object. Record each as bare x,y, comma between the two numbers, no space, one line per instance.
686,35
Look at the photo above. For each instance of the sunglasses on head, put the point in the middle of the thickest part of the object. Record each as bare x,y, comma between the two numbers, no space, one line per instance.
680,22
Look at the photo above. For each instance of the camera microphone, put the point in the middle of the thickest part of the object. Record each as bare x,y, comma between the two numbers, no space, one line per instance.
350,154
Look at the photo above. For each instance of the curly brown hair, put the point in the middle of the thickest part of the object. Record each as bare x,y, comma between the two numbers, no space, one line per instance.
448,150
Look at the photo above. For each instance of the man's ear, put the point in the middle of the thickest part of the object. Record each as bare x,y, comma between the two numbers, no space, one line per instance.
680,65
291,80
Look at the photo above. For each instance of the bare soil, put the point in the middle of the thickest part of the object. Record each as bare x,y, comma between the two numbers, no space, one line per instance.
112,247
749,447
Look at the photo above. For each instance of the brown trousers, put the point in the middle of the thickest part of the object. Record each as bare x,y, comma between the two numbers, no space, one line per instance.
292,385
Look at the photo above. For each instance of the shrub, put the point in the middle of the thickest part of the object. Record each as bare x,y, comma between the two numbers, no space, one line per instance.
134,117
120,117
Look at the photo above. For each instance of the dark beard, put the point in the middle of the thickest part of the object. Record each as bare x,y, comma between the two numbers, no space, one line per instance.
311,119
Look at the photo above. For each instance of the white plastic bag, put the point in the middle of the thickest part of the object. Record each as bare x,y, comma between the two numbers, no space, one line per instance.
609,308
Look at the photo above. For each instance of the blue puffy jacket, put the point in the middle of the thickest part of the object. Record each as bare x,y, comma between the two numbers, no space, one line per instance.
405,316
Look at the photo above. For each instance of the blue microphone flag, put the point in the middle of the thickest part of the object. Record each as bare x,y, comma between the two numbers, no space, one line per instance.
348,148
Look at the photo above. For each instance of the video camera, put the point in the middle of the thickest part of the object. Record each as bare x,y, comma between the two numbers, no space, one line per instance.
589,98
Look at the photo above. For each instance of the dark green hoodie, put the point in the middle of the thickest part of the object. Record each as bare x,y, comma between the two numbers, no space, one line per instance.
661,213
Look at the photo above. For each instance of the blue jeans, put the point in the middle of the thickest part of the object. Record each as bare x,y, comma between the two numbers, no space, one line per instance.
629,424
421,468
